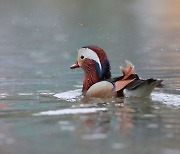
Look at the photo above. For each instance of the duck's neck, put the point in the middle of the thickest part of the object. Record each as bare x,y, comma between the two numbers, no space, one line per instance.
90,77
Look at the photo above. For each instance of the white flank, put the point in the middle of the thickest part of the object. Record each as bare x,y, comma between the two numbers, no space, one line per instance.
70,111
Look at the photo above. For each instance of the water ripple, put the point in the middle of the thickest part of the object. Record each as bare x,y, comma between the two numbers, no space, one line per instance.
70,111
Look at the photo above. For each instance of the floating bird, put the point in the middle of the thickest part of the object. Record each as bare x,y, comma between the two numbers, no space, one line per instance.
98,81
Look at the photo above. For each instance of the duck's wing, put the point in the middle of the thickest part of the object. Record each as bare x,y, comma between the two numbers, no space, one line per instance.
140,82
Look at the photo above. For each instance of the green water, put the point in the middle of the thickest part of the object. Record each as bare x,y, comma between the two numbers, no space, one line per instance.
39,41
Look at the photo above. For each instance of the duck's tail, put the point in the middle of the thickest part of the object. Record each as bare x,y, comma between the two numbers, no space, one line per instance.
141,88
127,71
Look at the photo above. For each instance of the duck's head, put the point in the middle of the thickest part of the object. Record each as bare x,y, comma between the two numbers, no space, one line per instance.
93,59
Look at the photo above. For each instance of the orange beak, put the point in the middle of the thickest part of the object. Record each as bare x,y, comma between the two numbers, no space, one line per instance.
75,65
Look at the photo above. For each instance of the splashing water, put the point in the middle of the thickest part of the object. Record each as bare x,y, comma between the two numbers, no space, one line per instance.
71,95
165,98
168,99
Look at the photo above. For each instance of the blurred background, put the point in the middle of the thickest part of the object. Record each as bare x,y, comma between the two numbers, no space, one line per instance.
39,40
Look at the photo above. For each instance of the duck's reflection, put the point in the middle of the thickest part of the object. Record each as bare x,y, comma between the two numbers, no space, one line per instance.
120,116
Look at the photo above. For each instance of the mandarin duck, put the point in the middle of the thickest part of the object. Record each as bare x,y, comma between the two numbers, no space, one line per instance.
98,81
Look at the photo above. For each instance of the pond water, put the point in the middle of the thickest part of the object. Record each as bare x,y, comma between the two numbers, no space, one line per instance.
39,41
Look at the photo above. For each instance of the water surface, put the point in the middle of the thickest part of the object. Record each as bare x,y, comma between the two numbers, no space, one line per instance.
39,41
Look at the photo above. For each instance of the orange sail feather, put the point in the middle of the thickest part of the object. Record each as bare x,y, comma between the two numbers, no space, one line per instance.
129,70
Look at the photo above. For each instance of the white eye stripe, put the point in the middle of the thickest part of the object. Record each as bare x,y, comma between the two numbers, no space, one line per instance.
90,54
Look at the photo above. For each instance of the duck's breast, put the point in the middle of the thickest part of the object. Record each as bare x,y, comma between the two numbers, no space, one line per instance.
101,89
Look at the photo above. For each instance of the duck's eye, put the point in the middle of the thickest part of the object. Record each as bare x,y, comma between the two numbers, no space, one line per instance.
82,57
